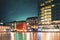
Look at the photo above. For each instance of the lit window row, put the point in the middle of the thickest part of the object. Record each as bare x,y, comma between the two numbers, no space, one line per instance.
46,7
46,14
42,14
42,4
46,18
47,10
49,19
48,1
42,17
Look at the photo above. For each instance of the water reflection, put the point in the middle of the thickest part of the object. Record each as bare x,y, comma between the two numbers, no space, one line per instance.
45,34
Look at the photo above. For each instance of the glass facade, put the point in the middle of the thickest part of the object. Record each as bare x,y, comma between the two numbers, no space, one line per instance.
49,21
45,12
49,10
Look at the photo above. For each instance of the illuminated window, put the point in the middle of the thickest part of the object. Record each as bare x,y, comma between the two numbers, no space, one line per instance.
48,16
48,7
42,4
48,13
53,5
43,23
49,0
46,19
47,10
42,17
42,8
42,11
42,20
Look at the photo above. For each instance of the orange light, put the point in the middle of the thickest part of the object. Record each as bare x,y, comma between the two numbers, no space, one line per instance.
21,26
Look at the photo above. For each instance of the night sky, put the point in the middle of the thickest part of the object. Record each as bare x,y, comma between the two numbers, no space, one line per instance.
11,10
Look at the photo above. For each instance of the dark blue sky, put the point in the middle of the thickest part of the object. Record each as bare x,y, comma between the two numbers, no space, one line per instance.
11,10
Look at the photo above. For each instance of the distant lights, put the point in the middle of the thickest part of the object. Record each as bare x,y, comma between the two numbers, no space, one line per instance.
1,23
49,0
4,30
42,4
53,5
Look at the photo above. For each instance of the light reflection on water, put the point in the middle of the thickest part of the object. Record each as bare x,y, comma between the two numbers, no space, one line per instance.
39,36
33,35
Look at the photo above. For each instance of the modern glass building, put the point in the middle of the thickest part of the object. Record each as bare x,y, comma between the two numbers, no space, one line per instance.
49,11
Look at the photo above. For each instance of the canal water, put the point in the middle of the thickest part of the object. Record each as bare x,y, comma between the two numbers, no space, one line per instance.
46,34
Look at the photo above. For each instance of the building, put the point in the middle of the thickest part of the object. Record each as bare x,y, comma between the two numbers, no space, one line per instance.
4,32
49,11
18,29
19,25
32,23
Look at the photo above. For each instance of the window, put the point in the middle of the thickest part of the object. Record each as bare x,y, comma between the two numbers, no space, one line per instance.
42,4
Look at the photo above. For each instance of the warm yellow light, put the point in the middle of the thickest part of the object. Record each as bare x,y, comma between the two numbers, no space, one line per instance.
22,30
47,17
47,10
53,5
27,36
42,15
42,11
12,36
42,4
47,13
42,20
42,8
49,0
48,7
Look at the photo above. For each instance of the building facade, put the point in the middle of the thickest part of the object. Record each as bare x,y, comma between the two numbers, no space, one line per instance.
4,32
32,23
49,11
